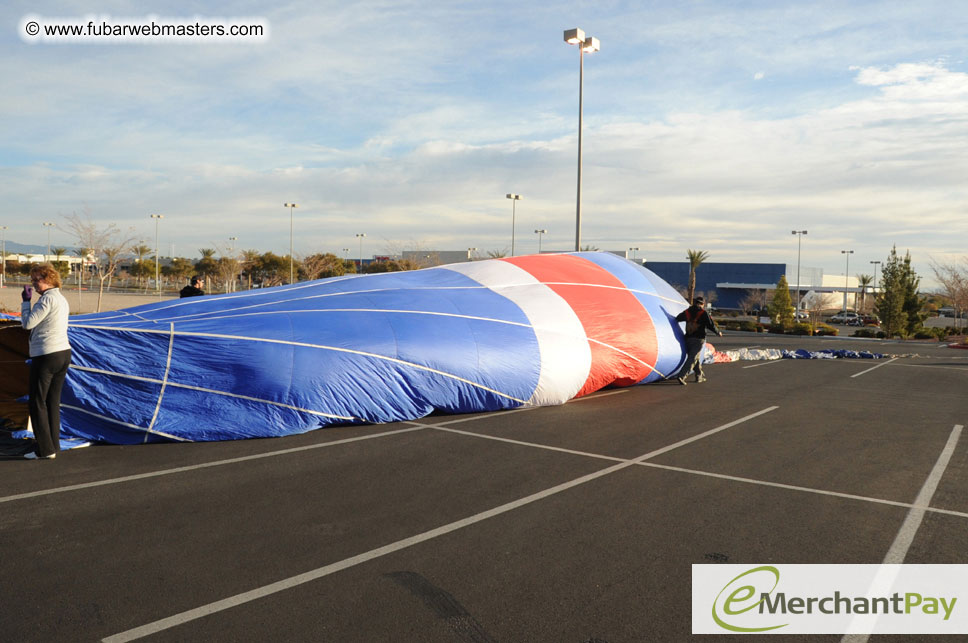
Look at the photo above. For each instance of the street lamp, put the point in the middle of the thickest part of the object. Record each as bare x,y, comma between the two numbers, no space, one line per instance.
470,253
290,206
3,253
514,200
48,225
157,218
346,253
540,233
360,237
847,254
799,234
876,264
632,252
233,257
589,44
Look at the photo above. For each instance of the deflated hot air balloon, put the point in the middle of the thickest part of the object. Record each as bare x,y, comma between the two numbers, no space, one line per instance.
470,337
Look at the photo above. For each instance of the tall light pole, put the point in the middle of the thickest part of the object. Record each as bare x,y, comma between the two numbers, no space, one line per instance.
290,206
540,233
876,264
48,225
514,200
3,253
589,44
233,257
799,234
632,252
470,253
157,218
346,254
847,254
360,236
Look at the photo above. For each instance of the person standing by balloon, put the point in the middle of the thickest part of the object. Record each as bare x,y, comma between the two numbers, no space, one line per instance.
50,356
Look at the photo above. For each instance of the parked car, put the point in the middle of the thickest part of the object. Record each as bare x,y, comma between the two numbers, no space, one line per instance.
803,314
848,317
870,320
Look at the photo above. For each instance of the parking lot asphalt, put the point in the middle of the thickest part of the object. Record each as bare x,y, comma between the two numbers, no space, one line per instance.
577,523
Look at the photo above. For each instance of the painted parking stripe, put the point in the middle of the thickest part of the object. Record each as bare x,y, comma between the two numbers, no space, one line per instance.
300,579
905,535
874,367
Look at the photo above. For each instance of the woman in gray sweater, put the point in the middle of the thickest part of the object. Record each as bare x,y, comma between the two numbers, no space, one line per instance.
50,356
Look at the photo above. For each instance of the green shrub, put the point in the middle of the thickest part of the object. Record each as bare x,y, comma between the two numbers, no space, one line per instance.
801,329
750,326
825,329
779,329
930,333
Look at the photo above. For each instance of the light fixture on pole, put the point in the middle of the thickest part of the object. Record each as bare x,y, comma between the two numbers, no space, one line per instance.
157,218
346,254
876,264
3,254
589,44
360,237
514,200
290,206
48,225
470,253
847,254
799,234
632,252
540,233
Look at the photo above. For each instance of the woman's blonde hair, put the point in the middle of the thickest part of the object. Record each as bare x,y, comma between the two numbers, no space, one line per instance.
47,272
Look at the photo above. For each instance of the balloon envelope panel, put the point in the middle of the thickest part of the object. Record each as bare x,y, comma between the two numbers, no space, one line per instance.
472,337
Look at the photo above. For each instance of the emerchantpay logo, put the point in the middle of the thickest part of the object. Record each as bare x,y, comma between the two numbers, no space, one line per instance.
830,599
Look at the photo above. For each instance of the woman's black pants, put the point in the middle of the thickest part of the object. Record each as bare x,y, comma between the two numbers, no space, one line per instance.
47,375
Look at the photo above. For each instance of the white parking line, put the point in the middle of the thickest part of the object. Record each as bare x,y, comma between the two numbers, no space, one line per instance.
875,367
414,426
772,361
289,583
204,465
909,528
963,369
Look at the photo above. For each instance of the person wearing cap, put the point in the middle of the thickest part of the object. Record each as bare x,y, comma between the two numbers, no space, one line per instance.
194,289
50,356
698,322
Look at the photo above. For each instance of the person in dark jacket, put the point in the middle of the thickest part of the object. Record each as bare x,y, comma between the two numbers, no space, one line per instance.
194,289
698,322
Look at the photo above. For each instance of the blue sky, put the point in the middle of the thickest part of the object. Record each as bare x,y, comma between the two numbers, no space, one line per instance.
719,126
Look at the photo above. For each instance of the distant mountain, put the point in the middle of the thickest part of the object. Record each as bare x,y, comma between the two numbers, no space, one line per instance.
23,248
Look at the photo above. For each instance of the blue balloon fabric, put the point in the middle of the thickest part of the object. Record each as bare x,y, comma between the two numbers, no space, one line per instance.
471,337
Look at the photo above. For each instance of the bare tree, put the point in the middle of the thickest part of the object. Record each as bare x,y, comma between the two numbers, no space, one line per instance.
105,243
755,299
228,267
953,278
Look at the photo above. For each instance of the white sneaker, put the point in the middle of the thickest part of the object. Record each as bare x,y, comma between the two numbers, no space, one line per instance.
34,456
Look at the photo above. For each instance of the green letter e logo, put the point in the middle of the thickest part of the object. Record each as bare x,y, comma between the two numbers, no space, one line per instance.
736,598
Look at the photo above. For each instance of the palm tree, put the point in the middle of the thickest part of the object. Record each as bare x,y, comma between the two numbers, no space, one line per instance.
864,281
695,258
140,251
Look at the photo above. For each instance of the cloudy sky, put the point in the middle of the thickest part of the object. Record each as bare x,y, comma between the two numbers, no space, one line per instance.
718,126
